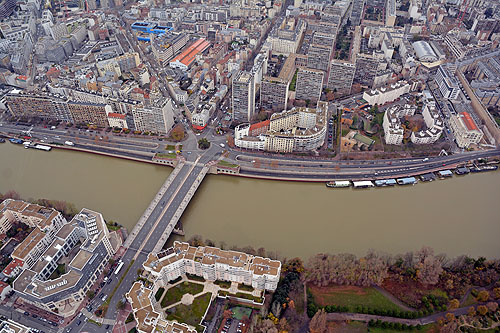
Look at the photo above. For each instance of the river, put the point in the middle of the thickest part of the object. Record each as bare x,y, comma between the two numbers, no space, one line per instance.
454,216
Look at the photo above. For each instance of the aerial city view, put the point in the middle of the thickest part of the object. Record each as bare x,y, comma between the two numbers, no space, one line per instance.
239,166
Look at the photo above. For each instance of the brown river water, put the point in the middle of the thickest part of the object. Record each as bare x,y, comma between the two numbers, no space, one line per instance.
454,216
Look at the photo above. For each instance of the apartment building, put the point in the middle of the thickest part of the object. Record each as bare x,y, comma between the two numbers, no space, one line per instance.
274,90
147,318
393,131
37,106
388,94
296,130
157,119
318,56
243,97
434,124
390,13
366,69
212,264
341,77
117,65
93,114
309,84
274,93
465,130
167,45
447,82
63,294
285,38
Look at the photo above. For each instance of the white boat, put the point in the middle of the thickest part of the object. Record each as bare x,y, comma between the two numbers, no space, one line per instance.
42,147
362,184
339,183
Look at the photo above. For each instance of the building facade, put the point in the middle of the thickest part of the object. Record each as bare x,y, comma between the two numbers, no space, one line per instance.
212,264
243,97
465,130
309,84
341,77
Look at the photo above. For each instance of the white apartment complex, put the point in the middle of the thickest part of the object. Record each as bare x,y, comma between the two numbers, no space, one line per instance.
296,130
465,130
381,96
435,126
157,119
213,264
149,319
393,131
53,238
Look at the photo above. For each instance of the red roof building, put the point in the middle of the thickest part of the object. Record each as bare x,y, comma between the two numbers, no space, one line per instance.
468,121
13,268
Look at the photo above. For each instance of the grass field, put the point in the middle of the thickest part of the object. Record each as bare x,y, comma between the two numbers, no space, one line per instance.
351,297
191,314
239,312
174,294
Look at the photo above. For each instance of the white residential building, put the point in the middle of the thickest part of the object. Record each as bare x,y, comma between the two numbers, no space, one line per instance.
465,130
213,264
389,94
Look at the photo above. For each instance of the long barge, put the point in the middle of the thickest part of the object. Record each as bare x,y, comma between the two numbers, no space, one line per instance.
339,184
407,181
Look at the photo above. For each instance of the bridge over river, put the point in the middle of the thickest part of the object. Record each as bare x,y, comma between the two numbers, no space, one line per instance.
158,221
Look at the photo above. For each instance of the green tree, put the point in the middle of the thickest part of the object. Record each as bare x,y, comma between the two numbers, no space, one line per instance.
203,143
90,294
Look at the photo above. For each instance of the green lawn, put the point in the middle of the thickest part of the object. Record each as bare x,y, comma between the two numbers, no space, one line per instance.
60,270
195,277
241,295
245,287
169,147
174,294
166,155
223,284
227,164
352,297
191,314
239,312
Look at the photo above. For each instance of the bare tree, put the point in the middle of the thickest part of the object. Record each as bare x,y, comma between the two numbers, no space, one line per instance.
318,322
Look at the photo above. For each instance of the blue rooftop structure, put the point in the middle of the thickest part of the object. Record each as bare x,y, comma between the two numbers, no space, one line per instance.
150,27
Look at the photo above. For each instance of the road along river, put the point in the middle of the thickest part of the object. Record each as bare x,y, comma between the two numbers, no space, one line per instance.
454,216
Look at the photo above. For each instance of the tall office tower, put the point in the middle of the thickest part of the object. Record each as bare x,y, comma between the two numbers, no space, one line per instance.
309,84
243,97
366,70
341,77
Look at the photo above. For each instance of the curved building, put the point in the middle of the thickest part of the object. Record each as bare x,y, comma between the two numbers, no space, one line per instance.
424,51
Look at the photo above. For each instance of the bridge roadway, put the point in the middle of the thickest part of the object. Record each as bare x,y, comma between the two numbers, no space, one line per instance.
157,222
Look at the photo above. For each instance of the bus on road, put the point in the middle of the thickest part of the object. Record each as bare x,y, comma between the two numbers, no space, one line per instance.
119,267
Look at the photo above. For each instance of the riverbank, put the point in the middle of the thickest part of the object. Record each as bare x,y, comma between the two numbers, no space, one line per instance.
283,175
